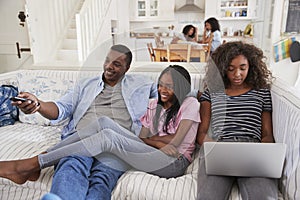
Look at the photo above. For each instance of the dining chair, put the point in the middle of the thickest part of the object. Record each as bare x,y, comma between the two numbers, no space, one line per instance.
208,48
151,52
179,52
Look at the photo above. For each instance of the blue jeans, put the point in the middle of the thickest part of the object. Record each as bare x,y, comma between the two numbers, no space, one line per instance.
79,177
50,196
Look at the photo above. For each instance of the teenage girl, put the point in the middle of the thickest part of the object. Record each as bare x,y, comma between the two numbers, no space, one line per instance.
237,103
163,148
212,33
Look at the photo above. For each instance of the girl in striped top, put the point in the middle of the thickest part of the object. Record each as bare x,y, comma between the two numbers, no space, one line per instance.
237,105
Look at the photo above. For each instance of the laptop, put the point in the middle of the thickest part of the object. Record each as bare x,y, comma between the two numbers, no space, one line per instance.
244,159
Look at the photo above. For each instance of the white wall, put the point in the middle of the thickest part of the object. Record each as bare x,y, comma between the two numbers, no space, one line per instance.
277,17
285,69
184,18
11,32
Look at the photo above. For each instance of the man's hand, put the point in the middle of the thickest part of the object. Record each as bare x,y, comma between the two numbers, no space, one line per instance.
28,107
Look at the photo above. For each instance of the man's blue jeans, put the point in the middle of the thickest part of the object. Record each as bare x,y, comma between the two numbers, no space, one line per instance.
79,177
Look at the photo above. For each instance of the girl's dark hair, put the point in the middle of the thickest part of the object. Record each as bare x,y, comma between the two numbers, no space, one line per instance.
259,76
182,86
214,23
186,30
125,50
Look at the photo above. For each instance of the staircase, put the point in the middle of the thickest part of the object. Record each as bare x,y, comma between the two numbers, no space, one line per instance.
63,33
67,53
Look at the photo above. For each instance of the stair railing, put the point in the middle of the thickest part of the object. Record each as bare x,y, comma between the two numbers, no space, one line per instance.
46,24
89,22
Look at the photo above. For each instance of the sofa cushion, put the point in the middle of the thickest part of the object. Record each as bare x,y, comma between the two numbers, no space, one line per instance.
20,141
141,185
46,89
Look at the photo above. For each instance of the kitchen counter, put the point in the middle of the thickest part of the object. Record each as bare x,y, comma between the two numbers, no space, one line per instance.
247,39
143,35
149,35
152,35
237,37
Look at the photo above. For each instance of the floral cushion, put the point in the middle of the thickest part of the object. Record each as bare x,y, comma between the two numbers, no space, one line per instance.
44,88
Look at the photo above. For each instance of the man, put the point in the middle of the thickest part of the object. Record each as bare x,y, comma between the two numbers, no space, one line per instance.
123,98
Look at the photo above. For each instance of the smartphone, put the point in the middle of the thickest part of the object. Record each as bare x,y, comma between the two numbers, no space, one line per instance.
18,99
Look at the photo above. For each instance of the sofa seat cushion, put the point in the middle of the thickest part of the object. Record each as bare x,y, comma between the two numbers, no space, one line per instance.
140,185
23,141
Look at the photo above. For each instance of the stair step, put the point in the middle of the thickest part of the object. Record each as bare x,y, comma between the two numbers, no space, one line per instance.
73,23
64,54
69,44
71,33
79,6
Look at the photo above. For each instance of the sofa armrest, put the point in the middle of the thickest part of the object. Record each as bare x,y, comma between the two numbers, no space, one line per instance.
286,126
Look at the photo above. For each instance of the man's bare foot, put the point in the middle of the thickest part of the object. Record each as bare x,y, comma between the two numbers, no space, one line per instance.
19,171
34,176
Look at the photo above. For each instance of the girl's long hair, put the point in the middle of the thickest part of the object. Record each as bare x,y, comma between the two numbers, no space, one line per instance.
182,86
186,30
259,76
214,23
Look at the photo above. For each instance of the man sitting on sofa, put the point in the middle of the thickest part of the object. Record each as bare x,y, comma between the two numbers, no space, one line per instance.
121,97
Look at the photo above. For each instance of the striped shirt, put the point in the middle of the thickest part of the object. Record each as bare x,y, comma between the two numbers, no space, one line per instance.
238,116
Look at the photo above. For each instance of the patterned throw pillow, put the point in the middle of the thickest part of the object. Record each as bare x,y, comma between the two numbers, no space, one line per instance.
45,89
8,113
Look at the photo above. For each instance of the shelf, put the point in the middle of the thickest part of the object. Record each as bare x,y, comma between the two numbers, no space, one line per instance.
235,18
151,19
237,37
233,7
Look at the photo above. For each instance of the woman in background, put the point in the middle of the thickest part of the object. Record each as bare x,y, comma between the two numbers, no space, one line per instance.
189,34
212,33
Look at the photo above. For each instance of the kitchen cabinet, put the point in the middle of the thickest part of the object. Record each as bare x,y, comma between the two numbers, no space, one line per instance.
231,9
147,8
152,10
